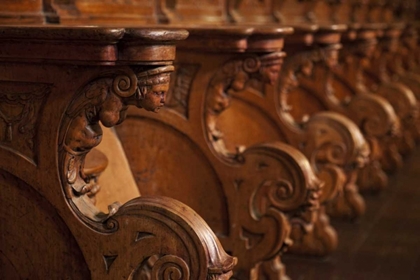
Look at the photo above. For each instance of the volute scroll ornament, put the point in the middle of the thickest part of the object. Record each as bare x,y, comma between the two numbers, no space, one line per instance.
274,182
152,221
104,100
333,143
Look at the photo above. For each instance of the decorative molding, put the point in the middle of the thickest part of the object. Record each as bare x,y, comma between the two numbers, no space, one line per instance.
20,105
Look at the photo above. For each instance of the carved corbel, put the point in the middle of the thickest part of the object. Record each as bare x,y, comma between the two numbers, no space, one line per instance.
321,238
195,252
336,146
372,113
268,166
235,75
398,94
402,67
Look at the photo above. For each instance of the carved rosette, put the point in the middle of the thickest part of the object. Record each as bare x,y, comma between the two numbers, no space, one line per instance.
195,252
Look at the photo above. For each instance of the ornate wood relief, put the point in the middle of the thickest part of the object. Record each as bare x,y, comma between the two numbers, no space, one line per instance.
337,135
400,96
234,76
274,179
20,105
180,88
334,146
105,100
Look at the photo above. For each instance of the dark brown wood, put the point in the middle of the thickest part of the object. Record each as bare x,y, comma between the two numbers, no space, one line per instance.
252,189
50,114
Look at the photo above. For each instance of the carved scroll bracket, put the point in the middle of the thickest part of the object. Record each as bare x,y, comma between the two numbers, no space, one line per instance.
234,76
105,100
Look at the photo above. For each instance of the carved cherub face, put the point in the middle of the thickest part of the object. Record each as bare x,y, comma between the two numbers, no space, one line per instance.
150,98
153,97
270,73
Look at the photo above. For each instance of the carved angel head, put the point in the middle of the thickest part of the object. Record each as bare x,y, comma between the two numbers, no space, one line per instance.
152,86
270,67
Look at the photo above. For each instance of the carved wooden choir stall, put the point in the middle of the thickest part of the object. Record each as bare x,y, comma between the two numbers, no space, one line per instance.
185,139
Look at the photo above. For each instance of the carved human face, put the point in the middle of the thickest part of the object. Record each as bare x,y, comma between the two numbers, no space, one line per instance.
154,99
270,73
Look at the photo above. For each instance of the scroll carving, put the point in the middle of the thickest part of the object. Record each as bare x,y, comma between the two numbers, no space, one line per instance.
20,104
372,113
276,200
280,199
235,76
106,100
332,143
399,95
150,221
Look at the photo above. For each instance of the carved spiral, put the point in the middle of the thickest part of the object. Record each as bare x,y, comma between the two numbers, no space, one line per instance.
125,85
374,115
170,267
283,191
252,64
335,152
279,194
